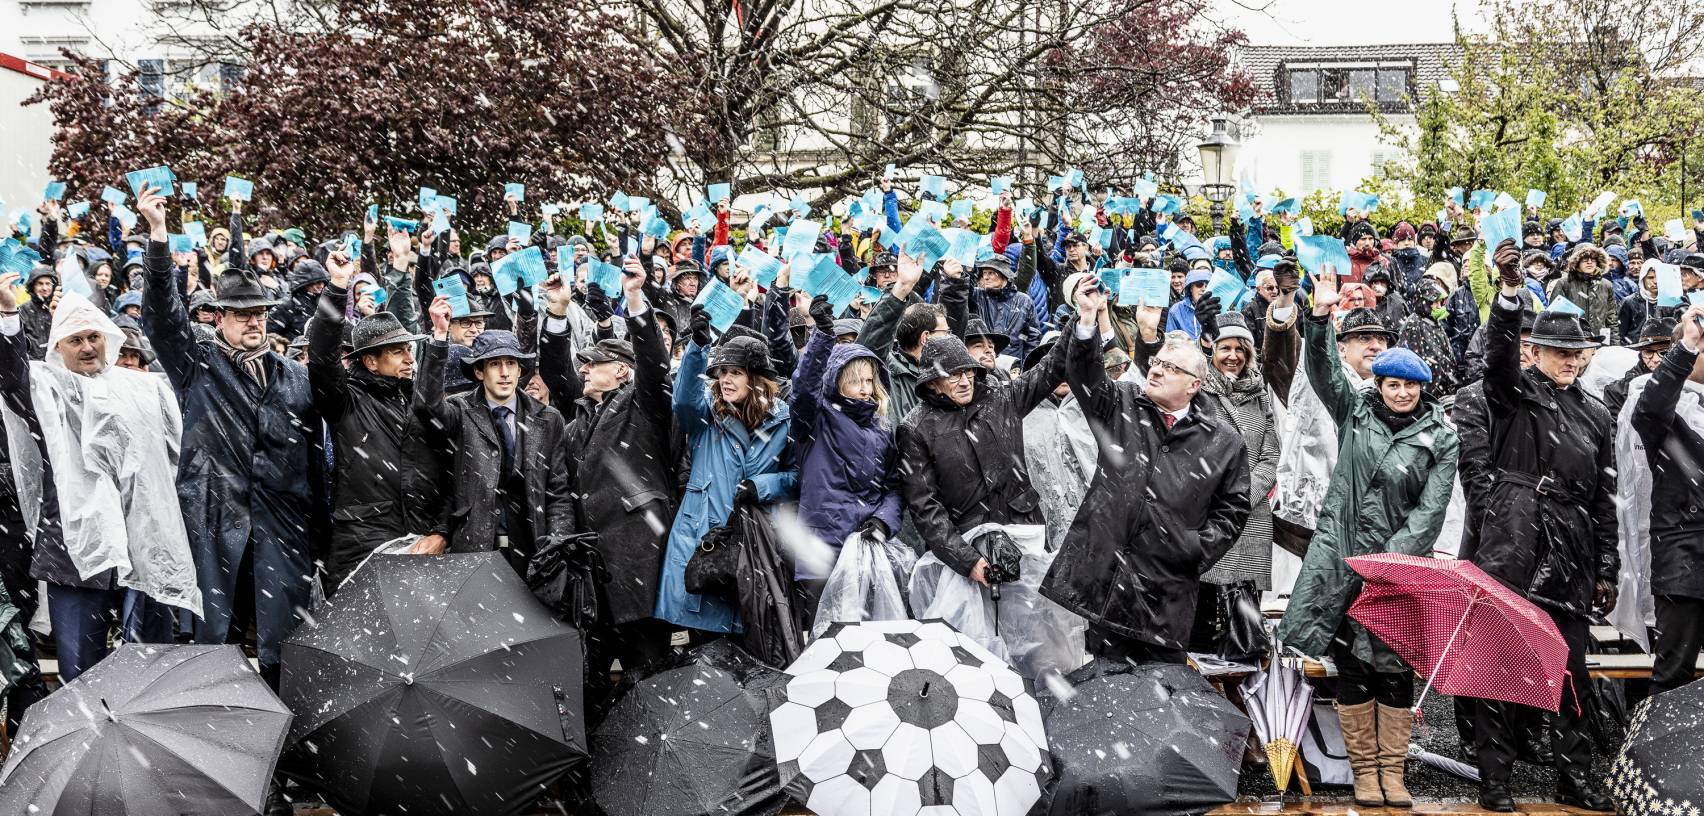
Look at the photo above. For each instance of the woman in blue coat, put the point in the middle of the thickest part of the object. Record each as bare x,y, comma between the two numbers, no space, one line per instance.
737,429
849,465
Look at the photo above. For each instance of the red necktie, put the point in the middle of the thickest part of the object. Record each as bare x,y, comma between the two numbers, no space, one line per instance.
1170,420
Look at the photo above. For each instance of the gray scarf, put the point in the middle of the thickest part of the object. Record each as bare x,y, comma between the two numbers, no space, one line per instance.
252,363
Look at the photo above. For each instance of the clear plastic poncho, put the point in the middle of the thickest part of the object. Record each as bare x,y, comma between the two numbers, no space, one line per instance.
868,583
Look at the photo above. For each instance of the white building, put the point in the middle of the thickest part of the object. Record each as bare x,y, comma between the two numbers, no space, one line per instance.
1310,129
26,134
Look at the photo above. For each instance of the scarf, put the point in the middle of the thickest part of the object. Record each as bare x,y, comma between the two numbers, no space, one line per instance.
1395,421
252,363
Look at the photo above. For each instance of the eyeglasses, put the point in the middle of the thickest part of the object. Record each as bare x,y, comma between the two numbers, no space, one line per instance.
247,315
1172,368
958,377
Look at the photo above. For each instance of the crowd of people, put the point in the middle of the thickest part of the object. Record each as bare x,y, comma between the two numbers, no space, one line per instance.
203,442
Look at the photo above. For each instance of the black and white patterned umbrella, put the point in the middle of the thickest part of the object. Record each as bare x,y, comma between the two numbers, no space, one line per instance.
1657,772
908,718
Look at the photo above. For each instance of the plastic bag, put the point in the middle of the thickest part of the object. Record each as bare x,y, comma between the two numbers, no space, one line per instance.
869,582
1031,632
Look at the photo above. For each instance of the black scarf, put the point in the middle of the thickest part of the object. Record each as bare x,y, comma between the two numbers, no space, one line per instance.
1393,420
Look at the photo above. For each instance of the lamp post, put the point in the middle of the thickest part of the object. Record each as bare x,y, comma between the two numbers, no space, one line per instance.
1218,162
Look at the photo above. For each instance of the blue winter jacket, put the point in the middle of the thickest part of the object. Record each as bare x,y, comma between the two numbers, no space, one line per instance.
848,462
724,453
1009,312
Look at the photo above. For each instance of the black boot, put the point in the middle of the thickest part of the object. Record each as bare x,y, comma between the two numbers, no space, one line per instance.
1583,795
1535,742
276,803
1495,797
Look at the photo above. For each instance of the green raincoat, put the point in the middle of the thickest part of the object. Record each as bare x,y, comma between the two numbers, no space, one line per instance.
1388,494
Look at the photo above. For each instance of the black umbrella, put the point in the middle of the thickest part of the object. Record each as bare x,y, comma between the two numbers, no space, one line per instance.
693,739
1143,739
1657,771
433,684
150,729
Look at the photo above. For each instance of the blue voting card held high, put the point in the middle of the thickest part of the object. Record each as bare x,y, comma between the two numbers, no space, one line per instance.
197,233
189,189
520,231
452,288
591,212
1145,287
180,243
239,189
721,303
762,267
114,196
1535,199
515,189
801,239
160,178
424,198
934,186
605,276
54,191
717,193
1317,252
1562,305
999,184
1230,289
1499,226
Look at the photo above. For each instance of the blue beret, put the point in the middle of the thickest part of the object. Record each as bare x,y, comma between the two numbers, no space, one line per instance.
1401,364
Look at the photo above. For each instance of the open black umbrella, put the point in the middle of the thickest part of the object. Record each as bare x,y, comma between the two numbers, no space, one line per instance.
690,740
433,684
1657,772
151,729
1143,739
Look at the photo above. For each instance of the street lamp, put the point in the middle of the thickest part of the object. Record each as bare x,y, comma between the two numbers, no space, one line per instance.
1218,163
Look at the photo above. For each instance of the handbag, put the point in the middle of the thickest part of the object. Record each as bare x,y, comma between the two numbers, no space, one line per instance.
567,576
1239,627
714,567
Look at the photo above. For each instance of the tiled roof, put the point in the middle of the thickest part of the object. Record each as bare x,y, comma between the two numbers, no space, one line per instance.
1431,62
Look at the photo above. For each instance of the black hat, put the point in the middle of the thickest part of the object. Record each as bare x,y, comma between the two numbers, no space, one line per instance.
944,356
1035,356
1362,229
1657,330
1693,261
202,299
1531,228
307,272
748,353
687,266
242,289
608,351
1463,234
1563,331
1377,272
1074,237
997,263
492,345
1364,321
259,245
884,258
976,329
378,330
136,342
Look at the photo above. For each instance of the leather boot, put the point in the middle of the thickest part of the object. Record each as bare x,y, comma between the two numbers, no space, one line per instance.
1361,738
1396,725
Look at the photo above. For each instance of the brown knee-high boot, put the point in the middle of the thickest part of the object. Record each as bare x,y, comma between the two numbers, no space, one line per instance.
1396,725
1361,737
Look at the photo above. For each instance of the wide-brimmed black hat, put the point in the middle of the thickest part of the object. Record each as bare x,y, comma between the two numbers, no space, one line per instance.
242,289
885,259
748,353
1364,321
1037,354
975,330
136,341
607,351
1463,234
1559,330
1657,330
378,330
492,345
944,356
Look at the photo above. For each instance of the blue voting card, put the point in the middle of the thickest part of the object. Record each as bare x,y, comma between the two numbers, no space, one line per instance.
159,177
240,189
721,303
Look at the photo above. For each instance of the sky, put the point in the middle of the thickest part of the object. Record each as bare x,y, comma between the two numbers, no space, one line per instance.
1342,22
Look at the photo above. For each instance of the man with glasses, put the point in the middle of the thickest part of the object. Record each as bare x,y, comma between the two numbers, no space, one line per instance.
251,452
1169,496
962,448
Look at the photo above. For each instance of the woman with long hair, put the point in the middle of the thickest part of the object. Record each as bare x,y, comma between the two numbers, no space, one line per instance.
849,464
736,428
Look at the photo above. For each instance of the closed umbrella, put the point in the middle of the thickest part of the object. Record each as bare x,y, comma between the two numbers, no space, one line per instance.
691,740
1467,634
1280,702
184,730
897,718
433,684
1147,739
1657,772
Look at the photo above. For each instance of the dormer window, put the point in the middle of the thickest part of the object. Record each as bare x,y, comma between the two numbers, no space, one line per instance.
1328,84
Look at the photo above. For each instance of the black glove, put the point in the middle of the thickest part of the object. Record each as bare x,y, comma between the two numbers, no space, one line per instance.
822,314
1207,313
875,528
598,305
700,326
746,492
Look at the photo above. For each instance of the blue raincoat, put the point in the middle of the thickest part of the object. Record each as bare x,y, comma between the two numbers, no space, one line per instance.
724,453
849,464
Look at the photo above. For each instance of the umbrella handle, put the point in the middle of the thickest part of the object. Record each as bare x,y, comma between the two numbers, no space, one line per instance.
1477,594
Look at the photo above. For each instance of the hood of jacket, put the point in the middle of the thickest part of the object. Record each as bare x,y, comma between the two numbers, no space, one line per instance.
1582,252
828,391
